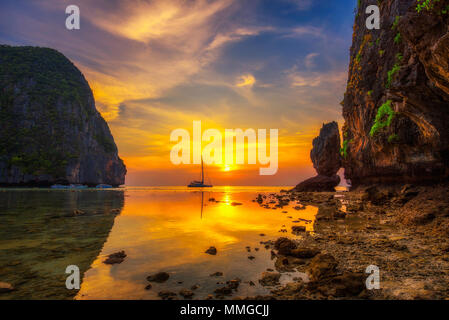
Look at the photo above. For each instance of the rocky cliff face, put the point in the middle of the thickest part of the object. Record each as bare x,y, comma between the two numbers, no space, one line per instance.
396,107
51,131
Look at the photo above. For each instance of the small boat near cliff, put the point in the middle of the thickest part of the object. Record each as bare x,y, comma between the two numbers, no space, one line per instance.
103,186
71,186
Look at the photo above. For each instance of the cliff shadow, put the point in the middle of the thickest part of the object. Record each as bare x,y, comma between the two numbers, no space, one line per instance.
42,232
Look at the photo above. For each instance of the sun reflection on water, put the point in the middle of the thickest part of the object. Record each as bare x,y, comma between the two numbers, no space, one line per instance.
169,230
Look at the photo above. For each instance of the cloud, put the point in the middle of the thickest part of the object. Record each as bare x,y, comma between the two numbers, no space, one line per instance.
246,80
301,4
301,31
309,60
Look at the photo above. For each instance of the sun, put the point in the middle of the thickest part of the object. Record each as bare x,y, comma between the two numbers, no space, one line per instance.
227,167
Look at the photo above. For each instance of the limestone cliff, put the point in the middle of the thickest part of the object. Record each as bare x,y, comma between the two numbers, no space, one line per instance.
51,131
326,159
396,107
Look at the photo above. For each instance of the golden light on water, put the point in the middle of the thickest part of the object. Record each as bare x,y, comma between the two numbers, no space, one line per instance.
170,229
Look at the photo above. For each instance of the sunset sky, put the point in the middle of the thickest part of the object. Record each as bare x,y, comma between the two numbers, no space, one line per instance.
155,66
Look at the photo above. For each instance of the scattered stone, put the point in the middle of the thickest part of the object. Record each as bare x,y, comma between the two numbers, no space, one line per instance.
234,204
284,246
149,286
212,199
233,284
305,253
159,277
251,257
338,215
216,274
211,251
6,287
77,212
270,279
298,229
195,286
115,258
167,295
187,294
321,266
223,291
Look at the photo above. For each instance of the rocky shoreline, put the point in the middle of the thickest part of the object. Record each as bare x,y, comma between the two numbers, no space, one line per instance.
402,230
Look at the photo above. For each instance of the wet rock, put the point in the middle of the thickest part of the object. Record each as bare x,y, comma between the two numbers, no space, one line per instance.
223,291
195,286
149,286
234,283
270,279
349,284
373,195
212,199
234,204
77,212
284,246
298,229
251,257
305,253
319,183
216,274
423,217
159,277
6,287
321,266
339,215
167,295
187,294
211,251
115,258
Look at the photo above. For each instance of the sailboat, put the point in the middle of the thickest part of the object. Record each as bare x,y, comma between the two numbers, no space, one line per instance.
200,184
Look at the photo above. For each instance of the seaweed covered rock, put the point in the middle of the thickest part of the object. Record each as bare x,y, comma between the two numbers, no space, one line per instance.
51,131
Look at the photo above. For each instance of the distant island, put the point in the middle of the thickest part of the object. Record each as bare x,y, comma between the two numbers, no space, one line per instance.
51,131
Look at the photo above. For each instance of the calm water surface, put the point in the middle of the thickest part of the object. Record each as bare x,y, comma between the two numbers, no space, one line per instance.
160,229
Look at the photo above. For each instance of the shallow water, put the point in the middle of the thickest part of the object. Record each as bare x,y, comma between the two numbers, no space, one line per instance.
160,229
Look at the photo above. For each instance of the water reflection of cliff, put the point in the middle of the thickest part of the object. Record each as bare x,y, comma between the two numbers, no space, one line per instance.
42,232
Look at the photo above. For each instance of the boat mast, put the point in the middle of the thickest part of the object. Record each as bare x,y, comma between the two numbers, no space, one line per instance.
202,171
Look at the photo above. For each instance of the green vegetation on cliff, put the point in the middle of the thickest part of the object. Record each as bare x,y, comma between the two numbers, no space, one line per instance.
384,117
